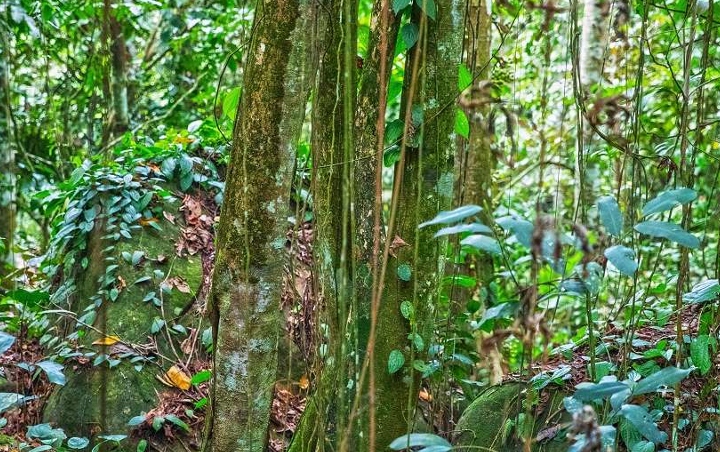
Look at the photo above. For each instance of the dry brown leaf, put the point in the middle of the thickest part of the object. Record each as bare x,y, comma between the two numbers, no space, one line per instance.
304,382
169,217
107,340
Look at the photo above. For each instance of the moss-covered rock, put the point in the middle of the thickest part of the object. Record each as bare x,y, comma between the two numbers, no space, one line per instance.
497,419
151,287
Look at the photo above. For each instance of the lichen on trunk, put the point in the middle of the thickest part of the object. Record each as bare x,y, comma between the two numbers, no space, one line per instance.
251,236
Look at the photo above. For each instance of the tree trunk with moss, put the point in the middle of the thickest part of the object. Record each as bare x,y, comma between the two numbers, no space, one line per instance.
425,189
7,173
251,237
477,183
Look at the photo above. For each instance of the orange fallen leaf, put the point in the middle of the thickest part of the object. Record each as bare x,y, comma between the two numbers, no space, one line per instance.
304,382
147,221
425,396
178,378
107,340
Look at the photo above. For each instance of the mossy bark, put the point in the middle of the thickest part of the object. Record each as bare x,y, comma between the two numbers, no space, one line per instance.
97,399
7,173
425,189
492,421
477,174
251,236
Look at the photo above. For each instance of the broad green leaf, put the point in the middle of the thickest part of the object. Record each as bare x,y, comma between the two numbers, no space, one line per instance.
395,361
428,6
6,341
704,439
11,399
643,446
453,216
666,377
399,5
498,311
670,231
230,103
522,229
177,421
669,199
462,125
610,215
421,440
142,446
417,341
591,391
201,377
472,227
702,292
643,422
407,310
78,443
465,77
483,243
157,325
54,371
113,438
404,272
409,33
194,126
700,353
136,420
623,258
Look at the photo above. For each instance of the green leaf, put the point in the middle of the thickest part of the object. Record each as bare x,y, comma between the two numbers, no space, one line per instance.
665,377
704,439
421,440
483,243
78,443
168,167
522,229
54,371
591,391
399,5
702,292
643,446
194,126
230,103
186,181
409,33
428,6
136,420
669,199
670,231
623,258
465,77
700,353
404,272
407,310
610,215
643,422
395,361
157,423
113,438
6,341
142,446
11,399
177,421
462,126
453,216
201,377
417,341
157,325
136,257
473,227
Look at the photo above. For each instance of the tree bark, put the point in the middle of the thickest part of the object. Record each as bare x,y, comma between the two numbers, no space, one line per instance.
248,270
425,189
7,171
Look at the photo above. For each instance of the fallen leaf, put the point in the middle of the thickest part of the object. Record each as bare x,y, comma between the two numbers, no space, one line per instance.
425,396
169,217
304,382
107,340
178,378
147,221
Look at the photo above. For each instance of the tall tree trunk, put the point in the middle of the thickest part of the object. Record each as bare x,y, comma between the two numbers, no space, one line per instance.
116,89
251,235
426,187
7,169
